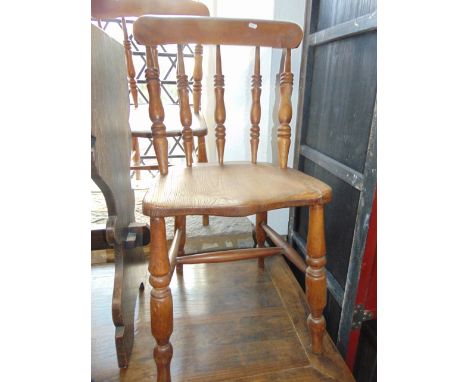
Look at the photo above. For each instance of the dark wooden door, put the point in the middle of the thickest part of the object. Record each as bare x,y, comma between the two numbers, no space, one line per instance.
336,141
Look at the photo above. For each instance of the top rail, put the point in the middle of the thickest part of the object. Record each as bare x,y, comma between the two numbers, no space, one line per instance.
159,30
108,9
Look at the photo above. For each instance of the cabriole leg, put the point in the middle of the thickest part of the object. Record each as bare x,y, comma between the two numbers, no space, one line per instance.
316,282
260,234
161,299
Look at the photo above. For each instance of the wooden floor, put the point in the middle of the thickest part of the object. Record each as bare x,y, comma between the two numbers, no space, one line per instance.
232,322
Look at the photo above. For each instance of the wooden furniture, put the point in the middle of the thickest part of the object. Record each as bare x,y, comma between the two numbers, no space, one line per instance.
110,170
224,330
225,189
111,9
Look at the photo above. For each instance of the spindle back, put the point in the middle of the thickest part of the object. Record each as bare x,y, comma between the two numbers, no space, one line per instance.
159,30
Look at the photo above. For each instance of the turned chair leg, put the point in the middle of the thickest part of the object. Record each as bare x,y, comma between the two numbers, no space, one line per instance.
136,159
161,299
260,234
203,158
316,282
180,223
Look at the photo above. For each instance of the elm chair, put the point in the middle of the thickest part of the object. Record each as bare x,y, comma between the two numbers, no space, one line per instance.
225,188
111,9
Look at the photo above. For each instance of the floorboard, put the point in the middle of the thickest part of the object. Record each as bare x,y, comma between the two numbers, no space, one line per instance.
232,322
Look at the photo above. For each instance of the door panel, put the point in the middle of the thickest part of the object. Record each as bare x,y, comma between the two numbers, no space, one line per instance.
340,109
333,12
335,142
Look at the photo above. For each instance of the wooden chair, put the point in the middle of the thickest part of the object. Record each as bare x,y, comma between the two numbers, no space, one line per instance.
227,188
111,9
110,170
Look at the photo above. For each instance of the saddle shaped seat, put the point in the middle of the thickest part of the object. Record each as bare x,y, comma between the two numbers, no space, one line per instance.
233,189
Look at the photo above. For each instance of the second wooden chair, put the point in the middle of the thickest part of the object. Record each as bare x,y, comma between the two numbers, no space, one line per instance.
110,9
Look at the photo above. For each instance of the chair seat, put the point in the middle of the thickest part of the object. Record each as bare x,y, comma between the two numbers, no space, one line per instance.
140,123
233,189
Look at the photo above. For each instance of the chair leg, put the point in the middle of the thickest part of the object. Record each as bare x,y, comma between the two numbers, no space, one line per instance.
180,223
203,158
260,234
316,282
161,299
136,159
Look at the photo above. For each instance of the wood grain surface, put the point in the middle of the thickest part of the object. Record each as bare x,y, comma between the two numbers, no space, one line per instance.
234,189
110,170
232,322
154,30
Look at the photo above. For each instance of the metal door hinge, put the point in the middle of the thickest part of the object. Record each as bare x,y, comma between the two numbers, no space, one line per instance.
360,315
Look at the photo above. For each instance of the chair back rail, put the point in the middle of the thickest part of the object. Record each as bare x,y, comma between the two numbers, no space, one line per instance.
111,9
160,30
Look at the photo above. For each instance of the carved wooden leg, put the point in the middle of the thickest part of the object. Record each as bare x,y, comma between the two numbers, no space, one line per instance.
179,223
136,160
316,282
260,234
161,299
202,158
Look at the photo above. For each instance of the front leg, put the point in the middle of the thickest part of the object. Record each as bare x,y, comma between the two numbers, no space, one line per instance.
316,282
161,299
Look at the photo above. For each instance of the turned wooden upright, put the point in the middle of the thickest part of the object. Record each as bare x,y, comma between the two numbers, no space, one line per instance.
208,188
130,66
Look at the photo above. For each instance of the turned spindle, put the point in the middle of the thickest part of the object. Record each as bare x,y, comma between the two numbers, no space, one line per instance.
184,106
220,110
156,110
255,111
197,78
285,111
316,281
197,89
130,67
161,299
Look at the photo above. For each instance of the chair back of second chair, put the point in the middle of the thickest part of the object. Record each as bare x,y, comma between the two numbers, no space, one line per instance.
111,9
